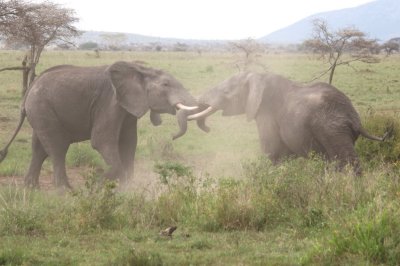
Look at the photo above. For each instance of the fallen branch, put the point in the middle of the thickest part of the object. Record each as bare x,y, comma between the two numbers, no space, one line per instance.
13,68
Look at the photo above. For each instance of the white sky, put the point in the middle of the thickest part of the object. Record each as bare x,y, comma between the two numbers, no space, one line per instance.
198,19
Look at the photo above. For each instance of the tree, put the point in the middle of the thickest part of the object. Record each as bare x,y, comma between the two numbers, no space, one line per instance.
250,48
10,10
35,25
393,45
180,47
88,46
333,45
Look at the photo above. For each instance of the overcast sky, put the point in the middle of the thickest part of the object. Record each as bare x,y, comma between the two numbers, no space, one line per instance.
198,19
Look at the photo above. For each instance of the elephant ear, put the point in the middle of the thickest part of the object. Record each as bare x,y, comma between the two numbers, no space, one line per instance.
254,98
128,85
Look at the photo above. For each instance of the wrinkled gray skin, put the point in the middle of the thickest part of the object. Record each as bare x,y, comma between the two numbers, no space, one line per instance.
68,104
292,119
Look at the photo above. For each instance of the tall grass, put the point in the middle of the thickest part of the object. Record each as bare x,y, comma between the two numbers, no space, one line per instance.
358,215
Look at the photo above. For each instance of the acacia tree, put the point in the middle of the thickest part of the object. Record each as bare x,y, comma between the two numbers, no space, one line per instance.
333,45
393,45
36,25
9,10
250,49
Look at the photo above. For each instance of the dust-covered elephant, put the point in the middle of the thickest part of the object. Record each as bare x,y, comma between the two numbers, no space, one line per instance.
292,119
68,104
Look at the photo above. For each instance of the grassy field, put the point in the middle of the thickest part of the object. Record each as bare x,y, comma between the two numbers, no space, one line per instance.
231,206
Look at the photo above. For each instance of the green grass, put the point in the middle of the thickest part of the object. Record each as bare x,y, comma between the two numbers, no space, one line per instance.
299,212
231,206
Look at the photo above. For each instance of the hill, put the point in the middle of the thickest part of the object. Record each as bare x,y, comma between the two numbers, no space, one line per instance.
104,39
97,36
379,19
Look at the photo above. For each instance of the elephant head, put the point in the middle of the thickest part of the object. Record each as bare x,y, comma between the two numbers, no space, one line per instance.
239,94
139,89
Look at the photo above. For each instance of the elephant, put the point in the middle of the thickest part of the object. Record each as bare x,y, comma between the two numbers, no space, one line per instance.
68,104
292,119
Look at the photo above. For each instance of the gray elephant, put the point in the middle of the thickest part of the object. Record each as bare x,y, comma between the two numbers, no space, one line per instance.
292,119
68,104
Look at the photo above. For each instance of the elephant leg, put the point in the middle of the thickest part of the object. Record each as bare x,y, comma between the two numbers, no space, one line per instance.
109,150
60,173
271,142
340,148
38,156
127,144
276,150
56,144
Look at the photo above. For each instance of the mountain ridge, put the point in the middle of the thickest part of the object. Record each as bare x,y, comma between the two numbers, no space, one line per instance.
379,19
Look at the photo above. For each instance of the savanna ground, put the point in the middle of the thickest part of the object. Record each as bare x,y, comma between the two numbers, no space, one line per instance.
231,206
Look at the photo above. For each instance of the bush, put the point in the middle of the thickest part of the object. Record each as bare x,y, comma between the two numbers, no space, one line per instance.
88,46
176,202
375,152
237,207
96,205
174,174
292,191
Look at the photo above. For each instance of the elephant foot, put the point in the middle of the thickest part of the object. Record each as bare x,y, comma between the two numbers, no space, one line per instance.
31,184
64,185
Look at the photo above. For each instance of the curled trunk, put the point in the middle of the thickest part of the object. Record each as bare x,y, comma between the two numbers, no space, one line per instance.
182,117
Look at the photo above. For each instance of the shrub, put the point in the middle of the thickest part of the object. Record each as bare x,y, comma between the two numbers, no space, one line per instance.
237,207
175,174
293,189
96,204
181,193
88,46
375,152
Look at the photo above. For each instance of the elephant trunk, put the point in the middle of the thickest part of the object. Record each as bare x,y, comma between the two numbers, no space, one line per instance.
182,118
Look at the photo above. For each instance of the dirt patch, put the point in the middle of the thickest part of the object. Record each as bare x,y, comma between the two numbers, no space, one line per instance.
144,179
75,175
4,119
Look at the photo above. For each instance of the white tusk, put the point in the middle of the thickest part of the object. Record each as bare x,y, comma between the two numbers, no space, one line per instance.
201,114
188,108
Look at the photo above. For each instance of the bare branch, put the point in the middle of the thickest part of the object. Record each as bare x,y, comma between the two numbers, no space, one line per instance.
251,49
12,68
333,45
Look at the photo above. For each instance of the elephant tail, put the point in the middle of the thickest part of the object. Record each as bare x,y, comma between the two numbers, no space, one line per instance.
4,151
388,133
